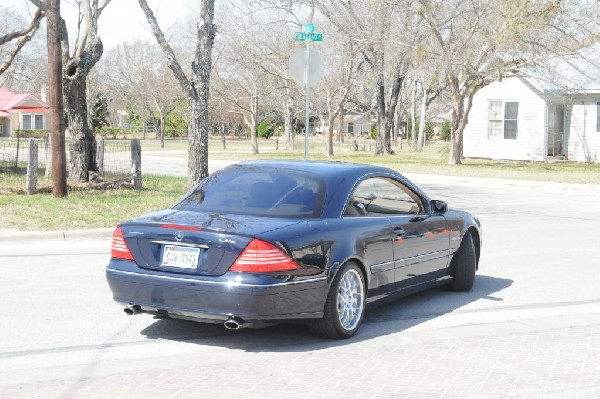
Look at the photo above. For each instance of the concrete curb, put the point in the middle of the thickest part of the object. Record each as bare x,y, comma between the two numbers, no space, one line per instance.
59,235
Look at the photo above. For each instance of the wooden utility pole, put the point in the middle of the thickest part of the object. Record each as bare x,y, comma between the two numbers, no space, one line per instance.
57,123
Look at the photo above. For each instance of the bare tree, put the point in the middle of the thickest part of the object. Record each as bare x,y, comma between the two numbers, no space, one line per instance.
196,88
19,37
345,67
137,74
372,25
478,42
77,65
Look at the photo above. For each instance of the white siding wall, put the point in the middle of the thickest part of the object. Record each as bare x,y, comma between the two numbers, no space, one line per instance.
530,142
583,140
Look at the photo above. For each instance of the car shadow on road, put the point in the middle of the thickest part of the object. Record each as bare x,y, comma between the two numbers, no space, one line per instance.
379,321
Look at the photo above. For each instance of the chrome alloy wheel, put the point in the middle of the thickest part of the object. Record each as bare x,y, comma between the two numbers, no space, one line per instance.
350,299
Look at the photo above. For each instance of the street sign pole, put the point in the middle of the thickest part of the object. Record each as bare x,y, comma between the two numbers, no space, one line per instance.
308,35
307,95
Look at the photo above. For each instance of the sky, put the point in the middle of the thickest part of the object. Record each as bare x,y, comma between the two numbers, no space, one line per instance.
122,20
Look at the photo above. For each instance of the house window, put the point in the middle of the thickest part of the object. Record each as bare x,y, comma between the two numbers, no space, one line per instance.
32,121
26,125
598,116
351,128
503,119
39,122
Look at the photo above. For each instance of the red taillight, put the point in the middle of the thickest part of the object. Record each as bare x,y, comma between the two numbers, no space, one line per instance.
119,248
263,257
180,227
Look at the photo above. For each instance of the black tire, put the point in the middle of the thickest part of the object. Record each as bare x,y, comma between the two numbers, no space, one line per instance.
331,325
463,265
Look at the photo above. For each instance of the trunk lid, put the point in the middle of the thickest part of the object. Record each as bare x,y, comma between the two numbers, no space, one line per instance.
194,242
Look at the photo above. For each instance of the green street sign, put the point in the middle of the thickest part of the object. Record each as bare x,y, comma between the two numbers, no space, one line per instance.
313,37
316,37
309,28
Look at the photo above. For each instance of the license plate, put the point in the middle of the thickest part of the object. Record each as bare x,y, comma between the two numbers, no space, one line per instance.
182,257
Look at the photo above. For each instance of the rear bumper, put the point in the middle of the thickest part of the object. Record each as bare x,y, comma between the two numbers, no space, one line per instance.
251,299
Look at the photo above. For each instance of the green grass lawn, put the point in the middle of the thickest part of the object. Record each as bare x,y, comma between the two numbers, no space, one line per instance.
433,160
88,209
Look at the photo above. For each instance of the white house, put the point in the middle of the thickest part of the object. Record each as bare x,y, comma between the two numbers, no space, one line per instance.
537,118
354,125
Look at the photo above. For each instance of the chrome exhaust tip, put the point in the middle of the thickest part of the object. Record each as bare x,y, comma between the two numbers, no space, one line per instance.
132,309
233,324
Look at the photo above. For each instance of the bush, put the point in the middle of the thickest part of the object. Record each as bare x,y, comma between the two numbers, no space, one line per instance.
265,129
429,131
445,131
32,134
374,131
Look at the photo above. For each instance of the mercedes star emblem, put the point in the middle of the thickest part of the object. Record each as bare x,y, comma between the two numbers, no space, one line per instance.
179,235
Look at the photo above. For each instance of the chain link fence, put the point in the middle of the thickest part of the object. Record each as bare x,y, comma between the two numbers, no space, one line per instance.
25,160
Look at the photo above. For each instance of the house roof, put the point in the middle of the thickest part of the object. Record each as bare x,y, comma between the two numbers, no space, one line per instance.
354,118
575,73
10,100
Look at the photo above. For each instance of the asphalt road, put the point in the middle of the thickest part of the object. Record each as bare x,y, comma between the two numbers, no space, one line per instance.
530,327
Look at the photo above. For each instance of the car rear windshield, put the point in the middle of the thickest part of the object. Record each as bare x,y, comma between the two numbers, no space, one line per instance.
259,192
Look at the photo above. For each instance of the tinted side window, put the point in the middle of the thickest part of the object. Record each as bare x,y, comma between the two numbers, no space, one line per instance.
383,196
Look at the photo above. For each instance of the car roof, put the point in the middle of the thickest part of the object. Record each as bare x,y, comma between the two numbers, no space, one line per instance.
325,169
340,177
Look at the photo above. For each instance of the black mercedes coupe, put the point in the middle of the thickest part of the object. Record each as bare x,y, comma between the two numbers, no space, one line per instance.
268,241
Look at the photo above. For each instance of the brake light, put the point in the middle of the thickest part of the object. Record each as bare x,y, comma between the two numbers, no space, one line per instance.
119,248
262,257
180,227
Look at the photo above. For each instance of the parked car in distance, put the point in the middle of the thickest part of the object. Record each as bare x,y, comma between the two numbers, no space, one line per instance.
268,241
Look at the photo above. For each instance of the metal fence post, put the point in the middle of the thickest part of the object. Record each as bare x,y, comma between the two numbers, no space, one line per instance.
32,165
136,164
100,155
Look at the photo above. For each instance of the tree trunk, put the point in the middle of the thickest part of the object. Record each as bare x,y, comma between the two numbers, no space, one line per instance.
82,154
161,129
341,126
422,122
252,125
390,112
413,117
379,147
330,120
460,118
200,82
198,142
288,114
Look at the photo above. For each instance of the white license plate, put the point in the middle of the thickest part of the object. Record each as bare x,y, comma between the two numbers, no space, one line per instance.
183,257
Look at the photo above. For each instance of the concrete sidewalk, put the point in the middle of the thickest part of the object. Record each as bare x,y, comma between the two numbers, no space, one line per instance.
10,236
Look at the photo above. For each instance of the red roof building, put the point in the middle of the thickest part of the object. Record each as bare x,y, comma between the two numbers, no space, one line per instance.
23,111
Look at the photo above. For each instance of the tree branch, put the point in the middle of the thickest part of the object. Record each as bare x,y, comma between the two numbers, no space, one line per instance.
25,35
172,62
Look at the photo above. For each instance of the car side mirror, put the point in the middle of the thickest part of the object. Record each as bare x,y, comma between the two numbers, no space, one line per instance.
438,206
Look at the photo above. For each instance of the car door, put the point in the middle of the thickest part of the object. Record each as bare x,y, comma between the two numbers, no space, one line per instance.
420,240
373,237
